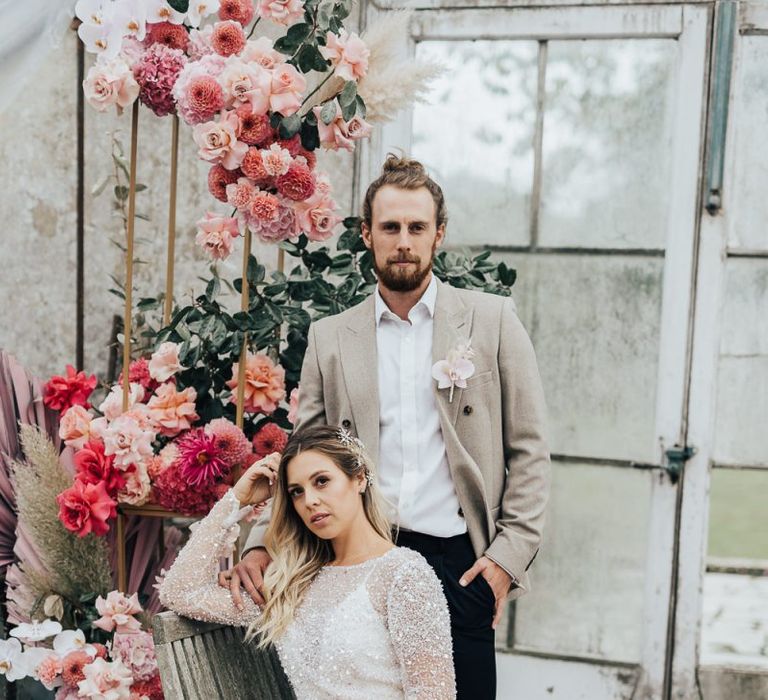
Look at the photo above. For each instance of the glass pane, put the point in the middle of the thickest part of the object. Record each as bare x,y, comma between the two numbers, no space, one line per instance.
588,580
595,324
608,143
742,394
476,136
749,206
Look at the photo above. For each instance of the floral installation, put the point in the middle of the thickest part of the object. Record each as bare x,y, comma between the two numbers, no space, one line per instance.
63,660
454,371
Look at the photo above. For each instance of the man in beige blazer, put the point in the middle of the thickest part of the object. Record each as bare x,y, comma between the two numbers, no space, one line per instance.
466,468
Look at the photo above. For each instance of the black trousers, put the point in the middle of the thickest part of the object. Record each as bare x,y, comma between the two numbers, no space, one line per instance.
470,608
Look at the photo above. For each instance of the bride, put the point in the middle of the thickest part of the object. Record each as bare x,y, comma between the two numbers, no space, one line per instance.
350,614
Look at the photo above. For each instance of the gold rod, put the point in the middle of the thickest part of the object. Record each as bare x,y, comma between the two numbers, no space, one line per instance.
169,268
122,573
129,256
244,301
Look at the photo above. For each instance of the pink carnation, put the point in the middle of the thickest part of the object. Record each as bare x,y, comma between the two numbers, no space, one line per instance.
218,142
298,183
264,384
48,671
276,159
283,226
156,74
284,12
228,38
137,652
218,179
263,209
200,460
174,36
238,10
173,411
217,234
230,441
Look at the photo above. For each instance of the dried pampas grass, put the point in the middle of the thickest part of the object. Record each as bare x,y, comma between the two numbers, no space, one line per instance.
393,81
62,563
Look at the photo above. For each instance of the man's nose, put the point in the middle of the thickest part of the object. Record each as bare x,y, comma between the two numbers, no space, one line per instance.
404,240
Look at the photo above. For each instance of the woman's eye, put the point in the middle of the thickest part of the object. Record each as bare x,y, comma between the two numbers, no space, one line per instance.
294,493
322,480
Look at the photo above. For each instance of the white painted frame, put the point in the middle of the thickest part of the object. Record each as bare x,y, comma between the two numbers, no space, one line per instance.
690,24
693,535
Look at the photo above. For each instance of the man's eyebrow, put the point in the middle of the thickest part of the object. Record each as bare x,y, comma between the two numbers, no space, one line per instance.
392,221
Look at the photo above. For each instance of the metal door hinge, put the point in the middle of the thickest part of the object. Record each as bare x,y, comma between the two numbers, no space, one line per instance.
677,456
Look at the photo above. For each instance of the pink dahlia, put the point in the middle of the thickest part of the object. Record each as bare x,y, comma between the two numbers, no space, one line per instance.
72,666
298,183
197,101
173,36
228,38
252,165
238,10
230,441
218,179
205,98
284,226
263,209
71,389
268,439
255,129
200,460
156,74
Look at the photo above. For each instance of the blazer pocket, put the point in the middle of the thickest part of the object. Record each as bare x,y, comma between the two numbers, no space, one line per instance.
479,379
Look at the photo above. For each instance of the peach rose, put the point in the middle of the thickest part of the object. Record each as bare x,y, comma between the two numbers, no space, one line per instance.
173,411
217,234
112,406
75,427
110,83
283,12
348,54
318,217
246,83
137,487
341,134
264,384
164,362
260,51
288,86
218,143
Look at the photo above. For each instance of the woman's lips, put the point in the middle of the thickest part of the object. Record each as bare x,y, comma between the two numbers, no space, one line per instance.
319,518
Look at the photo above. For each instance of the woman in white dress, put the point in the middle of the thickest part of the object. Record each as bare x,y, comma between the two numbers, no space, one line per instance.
351,615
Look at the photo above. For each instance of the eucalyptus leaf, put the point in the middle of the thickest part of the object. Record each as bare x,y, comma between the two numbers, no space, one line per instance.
179,5
328,112
348,94
290,126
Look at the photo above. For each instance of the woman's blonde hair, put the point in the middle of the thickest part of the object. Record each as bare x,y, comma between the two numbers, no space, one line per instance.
297,553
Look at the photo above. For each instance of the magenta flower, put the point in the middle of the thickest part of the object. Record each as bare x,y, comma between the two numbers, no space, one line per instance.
200,460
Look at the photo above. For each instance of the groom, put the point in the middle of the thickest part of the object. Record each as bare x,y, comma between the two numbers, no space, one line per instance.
467,469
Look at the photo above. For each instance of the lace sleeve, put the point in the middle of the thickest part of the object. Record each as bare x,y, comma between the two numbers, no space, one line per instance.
417,615
190,588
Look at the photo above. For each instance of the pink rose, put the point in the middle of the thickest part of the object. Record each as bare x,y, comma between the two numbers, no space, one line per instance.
348,54
128,440
260,51
218,142
137,487
284,12
216,234
173,411
85,508
110,83
112,406
288,86
75,427
317,217
117,612
264,384
341,134
106,680
246,83
164,362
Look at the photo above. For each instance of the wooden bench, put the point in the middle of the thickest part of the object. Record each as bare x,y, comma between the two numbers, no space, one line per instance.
205,661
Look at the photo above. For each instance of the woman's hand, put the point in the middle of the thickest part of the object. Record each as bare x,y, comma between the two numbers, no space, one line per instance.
257,483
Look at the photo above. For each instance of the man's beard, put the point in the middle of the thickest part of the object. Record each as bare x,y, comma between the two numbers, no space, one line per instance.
398,279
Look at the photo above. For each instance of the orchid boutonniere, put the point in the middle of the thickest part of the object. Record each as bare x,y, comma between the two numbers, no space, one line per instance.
455,369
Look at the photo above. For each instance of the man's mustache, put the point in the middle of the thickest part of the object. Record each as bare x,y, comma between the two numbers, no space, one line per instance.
404,259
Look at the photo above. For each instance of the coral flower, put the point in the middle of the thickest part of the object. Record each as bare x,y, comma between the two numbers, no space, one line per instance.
228,38
253,167
117,612
298,183
71,389
255,128
95,467
75,427
85,508
238,10
264,384
200,460
171,410
230,441
174,36
205,97
218,179
72,666
268,439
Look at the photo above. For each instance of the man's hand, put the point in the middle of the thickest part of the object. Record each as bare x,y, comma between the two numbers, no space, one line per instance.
249,574
498,579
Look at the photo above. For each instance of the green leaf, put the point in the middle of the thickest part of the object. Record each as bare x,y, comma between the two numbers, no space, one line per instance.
361,106
212,288
147,304
328,112
121,192
309,58
290,126
256,272
286,45
348,94
179,5
348,111
310,137
299,33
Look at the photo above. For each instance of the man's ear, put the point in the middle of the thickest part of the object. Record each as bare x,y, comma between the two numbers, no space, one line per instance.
440,237
366,231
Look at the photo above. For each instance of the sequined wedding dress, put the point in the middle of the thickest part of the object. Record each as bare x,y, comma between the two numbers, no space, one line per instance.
373,631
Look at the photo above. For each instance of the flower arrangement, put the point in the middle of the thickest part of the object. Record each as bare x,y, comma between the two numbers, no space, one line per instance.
63,659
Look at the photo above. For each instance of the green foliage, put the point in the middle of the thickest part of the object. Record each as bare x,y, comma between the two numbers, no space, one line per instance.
318,282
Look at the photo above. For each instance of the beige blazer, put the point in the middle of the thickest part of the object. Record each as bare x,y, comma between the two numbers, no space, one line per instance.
493,429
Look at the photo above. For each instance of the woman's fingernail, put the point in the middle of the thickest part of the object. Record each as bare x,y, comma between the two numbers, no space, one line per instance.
462,582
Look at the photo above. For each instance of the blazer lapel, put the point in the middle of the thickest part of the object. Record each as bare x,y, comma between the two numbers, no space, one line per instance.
452,323
358,353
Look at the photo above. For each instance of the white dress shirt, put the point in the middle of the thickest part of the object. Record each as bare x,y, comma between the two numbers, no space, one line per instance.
413,468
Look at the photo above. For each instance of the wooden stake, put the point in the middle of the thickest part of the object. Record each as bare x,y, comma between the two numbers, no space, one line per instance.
244,302
170,261
129,256
122,572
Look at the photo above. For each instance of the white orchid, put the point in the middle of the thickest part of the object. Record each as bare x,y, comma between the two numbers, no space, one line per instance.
36,631
72,640
161,11
131,18
455,369
199,9
13,664
98,31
